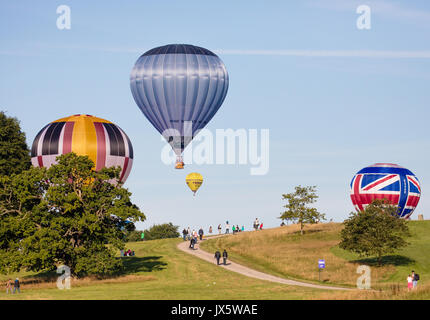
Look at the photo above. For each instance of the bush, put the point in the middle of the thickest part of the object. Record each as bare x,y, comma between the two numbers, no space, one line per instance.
162,231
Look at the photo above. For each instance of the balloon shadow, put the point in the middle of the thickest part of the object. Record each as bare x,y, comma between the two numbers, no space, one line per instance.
143,264
395,260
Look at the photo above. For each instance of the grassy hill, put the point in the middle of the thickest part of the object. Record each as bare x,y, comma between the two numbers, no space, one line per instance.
284,252
161,271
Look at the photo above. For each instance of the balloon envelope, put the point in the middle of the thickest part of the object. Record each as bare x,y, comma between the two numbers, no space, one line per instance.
387,181
194,180
179,88
102,141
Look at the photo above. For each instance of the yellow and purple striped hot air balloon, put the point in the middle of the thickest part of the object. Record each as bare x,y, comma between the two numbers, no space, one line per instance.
102,141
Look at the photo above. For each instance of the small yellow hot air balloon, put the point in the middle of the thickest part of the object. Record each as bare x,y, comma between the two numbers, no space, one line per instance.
194,180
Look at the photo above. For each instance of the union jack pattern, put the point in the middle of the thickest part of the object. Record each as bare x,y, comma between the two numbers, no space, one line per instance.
387,181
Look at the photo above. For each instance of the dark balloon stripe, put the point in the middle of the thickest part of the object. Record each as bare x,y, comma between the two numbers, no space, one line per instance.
52,138
36,142
117,147
179,48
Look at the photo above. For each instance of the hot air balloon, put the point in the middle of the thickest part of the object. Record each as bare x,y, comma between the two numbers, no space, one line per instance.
387,181
179,88
194,180
101,140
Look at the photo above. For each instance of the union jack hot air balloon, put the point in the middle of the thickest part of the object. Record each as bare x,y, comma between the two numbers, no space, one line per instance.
99,139
387,181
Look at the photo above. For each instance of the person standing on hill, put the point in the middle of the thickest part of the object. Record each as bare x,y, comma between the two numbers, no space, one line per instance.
184,234
224,256
219,229
217,257
210,229
410,284
227,227
233,229
188,233
16,286
201,234
415,278
9,286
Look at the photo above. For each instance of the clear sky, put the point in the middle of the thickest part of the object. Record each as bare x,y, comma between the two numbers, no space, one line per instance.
335,98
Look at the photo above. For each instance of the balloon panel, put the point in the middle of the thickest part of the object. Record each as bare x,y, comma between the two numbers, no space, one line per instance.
387,181
179,88
102,141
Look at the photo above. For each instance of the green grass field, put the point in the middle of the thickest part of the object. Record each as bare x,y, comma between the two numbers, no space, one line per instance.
161,271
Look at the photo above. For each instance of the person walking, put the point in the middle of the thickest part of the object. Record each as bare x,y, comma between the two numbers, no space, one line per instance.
410,284
415,278
201,234
227,227
184,234
217,257
9,286
16,286
210,229
219,229
224,256
188,233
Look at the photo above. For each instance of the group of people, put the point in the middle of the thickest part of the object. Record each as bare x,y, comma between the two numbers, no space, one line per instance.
235,228
218,256
16,286
257,225
413,280
127,253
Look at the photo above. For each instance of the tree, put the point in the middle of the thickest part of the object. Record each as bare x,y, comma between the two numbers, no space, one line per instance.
297,211
162,231
14,152
377,230
134,236
67,214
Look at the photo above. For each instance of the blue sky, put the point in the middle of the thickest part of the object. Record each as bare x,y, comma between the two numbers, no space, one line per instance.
335,98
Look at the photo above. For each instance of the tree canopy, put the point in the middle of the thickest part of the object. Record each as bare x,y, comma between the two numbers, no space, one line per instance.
162,231
67,214
297,210
14,152
375,231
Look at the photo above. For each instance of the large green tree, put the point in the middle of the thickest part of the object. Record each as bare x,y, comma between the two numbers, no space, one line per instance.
68,214
297,209
375,231
14,152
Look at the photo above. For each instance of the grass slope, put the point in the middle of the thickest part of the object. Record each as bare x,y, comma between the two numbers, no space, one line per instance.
284,252
161,271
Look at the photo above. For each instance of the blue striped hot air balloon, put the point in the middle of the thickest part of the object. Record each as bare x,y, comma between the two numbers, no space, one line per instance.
179,88
387,181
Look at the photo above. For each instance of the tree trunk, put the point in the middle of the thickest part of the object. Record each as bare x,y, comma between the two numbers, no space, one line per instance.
301,228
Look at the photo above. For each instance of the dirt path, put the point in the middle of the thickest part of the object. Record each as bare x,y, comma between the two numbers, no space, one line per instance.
235,267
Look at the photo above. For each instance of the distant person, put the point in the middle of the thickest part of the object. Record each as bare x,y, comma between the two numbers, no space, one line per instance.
201,234
261,226
192,242
282,224
415,278
224,257
9,286
219,228
16,286
184,234
233,229
256,224
410,284
227,227
243,228
210,229
217,257
188,233
237,228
